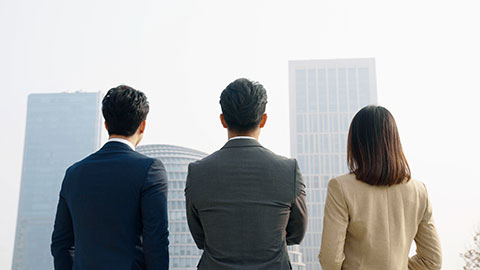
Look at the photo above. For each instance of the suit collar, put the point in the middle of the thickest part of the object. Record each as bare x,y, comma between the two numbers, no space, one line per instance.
242,143
114,145
127,142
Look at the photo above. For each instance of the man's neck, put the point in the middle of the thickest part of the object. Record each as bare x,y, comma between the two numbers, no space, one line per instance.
132,139
254,134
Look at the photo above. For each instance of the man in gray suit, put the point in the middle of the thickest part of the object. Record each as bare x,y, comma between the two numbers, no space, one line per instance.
245,204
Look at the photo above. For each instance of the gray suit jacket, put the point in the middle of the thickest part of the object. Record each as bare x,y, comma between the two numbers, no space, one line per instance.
245,204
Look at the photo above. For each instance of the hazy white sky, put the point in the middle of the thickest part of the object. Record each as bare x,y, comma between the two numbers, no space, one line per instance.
183,53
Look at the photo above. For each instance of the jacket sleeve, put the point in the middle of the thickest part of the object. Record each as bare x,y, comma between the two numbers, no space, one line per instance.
155,217
62,246
429,252
297,223
335,223
194,223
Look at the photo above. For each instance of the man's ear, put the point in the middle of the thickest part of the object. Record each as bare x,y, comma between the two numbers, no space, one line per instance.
222,119
141,128
263,121
105,124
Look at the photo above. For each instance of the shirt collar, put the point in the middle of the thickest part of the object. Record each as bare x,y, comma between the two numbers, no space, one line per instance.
242,137
122,141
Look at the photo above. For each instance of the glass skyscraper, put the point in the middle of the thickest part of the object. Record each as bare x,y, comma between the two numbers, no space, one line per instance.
61,129
324,97
184,254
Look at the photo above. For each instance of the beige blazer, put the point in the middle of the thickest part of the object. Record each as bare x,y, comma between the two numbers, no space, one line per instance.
372,227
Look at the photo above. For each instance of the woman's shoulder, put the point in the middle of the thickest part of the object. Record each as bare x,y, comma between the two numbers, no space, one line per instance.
417,185
350,182
346,182
348,179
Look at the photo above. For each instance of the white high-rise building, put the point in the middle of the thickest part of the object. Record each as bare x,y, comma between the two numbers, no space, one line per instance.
324,97
61,129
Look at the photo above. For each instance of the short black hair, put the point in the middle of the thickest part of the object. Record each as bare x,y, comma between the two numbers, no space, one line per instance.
243,104
124,109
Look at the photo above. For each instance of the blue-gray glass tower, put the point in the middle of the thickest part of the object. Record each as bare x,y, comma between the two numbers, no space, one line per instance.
324,97
184,254
61,129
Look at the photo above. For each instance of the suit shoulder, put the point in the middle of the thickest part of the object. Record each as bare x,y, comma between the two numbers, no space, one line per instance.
418,185
206,160
348,182
279,158
348,177
140,156
80,163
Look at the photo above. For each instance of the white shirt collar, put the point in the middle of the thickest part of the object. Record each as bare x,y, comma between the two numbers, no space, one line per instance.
122,141
242,137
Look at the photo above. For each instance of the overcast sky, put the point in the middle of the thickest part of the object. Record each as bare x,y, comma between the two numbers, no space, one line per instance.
183,53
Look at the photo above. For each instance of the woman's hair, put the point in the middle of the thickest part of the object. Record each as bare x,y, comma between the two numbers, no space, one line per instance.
374,151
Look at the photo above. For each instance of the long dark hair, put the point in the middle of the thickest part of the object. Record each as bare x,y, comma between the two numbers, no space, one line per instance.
374,151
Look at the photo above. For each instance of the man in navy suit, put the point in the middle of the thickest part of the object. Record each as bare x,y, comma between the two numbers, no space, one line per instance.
112,211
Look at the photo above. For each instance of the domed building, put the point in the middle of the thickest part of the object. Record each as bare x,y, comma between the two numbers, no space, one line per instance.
184,254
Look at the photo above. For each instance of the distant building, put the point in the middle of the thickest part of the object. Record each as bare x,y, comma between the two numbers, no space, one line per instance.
296,258
184,254
61,129
324,96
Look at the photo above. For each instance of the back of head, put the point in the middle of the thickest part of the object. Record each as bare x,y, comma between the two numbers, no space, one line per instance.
124,109
374,152
243,104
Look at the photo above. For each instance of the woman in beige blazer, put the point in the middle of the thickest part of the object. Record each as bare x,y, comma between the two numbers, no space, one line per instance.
373,214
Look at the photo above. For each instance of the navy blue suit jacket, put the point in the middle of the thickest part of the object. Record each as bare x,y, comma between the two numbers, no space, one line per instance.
112,213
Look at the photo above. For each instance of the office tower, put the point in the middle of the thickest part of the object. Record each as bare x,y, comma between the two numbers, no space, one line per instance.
61,129
324,97
296,258
184,254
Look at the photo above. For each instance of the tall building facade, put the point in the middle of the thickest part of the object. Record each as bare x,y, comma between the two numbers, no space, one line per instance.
324,97
61,129
184,254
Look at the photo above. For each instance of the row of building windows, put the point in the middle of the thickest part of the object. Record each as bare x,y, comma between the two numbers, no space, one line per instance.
176,175
323,123
181,238
316,196
175,167
178,204
296,259
311,252
318,90
170,154
316,209
316,181
314,240
322,143
178,227
177,215
176,194
328,164
184,262
179,184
